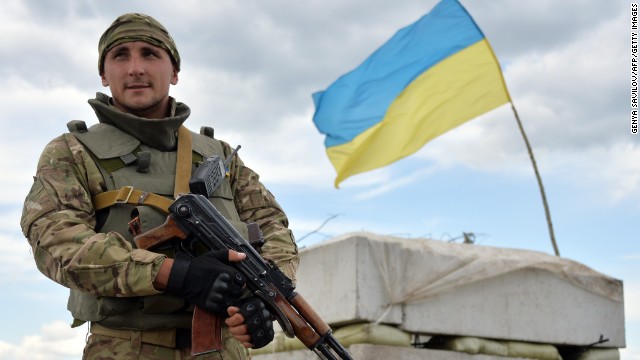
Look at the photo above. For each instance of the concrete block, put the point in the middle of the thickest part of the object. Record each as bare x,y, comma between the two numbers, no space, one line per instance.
527,305
341,280
433,287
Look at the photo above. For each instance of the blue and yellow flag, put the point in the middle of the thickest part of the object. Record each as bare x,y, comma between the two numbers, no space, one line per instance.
430,77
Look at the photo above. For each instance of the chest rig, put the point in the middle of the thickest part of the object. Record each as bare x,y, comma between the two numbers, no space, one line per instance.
142,182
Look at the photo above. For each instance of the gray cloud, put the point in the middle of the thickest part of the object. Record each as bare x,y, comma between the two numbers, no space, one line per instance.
251,68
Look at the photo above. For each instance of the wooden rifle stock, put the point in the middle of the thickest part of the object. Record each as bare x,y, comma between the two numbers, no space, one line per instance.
301,328
307,312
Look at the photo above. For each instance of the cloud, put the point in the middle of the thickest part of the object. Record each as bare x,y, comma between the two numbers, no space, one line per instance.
519,28
568,99
632,301
607,171
16,261
399,181
39,48
56,341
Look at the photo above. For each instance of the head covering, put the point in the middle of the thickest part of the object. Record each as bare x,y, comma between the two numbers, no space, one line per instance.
136,27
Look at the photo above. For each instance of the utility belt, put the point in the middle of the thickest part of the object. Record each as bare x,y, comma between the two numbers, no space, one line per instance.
171,338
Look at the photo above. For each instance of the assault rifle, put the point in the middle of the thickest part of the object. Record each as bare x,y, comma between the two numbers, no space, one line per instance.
195,221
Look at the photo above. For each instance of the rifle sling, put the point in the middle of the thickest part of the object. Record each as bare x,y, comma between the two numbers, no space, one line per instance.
183,162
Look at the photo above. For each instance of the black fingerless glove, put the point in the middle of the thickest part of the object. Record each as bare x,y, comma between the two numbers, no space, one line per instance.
258,321
206,281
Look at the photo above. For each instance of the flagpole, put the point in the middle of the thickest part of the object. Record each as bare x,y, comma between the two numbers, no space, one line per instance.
535,169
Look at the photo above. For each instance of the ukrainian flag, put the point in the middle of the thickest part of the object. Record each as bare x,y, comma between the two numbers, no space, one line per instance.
430,77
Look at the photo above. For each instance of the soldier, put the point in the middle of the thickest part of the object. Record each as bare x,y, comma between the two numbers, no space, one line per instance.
92,185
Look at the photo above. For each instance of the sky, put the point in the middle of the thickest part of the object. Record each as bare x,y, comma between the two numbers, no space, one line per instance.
249,69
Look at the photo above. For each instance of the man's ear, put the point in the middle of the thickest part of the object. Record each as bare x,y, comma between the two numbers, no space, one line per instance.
174,77
105,82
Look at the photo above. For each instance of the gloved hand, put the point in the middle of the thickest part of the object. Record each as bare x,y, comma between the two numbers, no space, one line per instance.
206,281
258,321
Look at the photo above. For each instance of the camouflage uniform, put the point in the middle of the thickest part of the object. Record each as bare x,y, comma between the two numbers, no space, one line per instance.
60,223
110,348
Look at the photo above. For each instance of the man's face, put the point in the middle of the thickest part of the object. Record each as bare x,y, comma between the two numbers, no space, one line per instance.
139,75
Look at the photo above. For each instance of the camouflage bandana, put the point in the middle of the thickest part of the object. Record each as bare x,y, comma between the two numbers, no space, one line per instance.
136,27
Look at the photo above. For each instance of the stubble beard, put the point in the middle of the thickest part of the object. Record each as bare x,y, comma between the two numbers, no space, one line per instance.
149,109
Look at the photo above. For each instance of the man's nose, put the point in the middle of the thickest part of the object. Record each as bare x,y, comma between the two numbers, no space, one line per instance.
136,66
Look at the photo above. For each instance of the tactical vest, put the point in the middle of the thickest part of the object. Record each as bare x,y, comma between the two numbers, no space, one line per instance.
124,161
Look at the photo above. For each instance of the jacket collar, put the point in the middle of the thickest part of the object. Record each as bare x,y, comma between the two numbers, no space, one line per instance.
161,134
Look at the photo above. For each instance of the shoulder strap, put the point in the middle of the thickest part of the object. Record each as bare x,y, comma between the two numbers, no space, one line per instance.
183,162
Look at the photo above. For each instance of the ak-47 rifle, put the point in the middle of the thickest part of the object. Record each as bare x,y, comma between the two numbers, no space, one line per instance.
193,219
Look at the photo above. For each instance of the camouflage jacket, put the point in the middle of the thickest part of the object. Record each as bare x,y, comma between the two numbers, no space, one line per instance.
59,221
